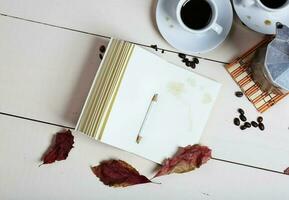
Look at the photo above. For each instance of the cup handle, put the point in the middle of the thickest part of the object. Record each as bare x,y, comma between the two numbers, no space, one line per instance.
248,3
217,28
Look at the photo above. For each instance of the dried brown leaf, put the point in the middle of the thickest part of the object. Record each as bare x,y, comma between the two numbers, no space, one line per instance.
63,143
187,159
118,173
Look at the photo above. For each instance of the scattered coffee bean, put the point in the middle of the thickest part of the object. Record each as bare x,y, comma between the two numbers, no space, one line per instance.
247,124
243,118
100,56
192,65
260,119
181,55
189,63
239,94
196,60
154,46
163,51
237,122
241,111
102,49
185,60
254,124
279,25
261,127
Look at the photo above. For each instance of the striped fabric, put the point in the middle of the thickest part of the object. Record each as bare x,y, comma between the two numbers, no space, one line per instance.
238,69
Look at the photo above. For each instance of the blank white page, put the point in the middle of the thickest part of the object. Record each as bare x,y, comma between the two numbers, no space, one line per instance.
178,118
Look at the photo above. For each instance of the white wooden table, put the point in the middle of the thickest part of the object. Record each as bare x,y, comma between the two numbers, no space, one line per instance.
48,58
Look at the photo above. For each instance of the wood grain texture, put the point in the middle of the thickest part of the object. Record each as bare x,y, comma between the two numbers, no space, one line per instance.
52,74
21,178
132,21
46,72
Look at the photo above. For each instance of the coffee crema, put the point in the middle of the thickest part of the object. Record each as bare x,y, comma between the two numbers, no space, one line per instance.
273,3
196,14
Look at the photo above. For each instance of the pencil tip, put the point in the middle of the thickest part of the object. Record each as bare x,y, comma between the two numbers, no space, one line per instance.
138,139
155,97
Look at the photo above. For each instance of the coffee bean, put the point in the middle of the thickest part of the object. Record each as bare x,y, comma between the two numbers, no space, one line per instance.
188,64
237,122
260,119
247,124
185,60
241,111
243,127
192,65
254,124
239,94
154,46
181,55
100,56
196,60
102,49
163,51
279,25
261,127
243,118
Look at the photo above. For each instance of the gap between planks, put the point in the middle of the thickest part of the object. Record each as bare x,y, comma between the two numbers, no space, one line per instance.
72,128
107,37
102,36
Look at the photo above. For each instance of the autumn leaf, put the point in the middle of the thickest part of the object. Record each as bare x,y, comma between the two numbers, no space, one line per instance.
59,150
187,159
118,173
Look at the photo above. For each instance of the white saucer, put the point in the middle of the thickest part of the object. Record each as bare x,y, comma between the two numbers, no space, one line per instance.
188,42
261,20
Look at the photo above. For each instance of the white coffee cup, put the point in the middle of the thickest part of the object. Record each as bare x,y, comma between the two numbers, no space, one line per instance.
247,3
213,25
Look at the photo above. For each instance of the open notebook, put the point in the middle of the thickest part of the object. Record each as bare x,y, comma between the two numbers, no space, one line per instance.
140,103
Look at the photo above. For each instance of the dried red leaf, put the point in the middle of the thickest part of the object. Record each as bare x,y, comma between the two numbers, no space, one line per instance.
187,159
63,143
118,173
286,171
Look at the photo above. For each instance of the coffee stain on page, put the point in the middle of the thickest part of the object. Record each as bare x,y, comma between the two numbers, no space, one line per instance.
176,88
206,194
207,98
192,82
267,22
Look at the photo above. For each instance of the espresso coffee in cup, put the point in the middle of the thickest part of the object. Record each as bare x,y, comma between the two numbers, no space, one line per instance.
273,4
196,14
269,5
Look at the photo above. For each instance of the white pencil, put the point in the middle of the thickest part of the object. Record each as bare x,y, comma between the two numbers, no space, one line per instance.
153,101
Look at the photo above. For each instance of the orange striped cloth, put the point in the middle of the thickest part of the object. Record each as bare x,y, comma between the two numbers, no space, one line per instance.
238,69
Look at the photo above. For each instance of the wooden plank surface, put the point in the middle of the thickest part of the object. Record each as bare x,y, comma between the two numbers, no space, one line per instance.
21,178
130,20
45,74
45,65
54,68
